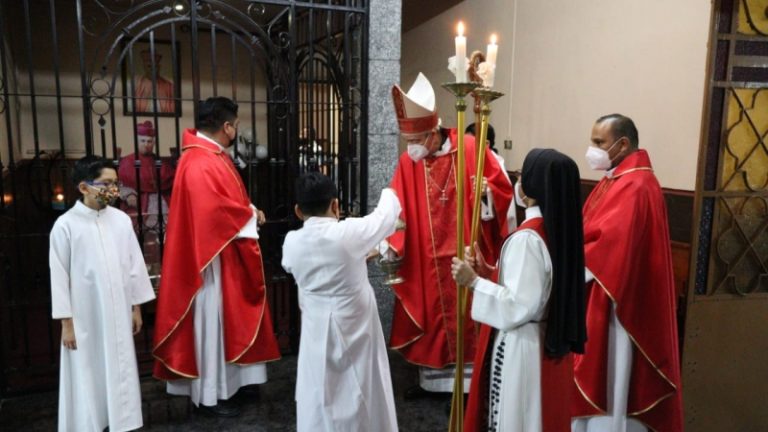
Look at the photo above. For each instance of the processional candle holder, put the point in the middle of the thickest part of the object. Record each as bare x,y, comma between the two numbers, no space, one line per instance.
485,96
460,90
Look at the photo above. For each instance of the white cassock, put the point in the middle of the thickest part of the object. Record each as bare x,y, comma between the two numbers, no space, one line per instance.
516,308
218,379
618,375
343,381
97,274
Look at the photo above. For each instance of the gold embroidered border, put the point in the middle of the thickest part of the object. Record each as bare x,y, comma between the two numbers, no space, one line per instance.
191,302
631,337
434,249
261,318
172,370
633,170
584,395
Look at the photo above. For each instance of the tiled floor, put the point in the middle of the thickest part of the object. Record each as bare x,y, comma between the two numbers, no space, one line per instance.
274,411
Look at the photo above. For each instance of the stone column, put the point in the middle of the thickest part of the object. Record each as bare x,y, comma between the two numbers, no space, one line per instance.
383,71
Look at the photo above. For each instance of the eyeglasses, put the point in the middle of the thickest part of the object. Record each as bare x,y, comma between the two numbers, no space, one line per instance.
115,184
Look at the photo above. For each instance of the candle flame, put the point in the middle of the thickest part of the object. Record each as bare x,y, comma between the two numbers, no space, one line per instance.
493,38
460,28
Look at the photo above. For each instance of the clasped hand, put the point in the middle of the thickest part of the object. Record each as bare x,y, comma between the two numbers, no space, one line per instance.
473,266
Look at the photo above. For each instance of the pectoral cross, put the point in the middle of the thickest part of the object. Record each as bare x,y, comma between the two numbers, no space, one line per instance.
443,198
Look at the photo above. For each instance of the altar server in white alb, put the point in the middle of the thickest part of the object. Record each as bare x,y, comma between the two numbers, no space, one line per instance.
98,281
343,381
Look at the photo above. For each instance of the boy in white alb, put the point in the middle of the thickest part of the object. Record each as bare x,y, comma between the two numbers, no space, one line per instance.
98,281
343,381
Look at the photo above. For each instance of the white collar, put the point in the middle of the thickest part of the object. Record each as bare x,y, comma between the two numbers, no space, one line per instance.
318,220
84,210
533,212
444,150
200,134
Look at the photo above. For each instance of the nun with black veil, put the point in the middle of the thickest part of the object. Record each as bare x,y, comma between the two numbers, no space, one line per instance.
532,316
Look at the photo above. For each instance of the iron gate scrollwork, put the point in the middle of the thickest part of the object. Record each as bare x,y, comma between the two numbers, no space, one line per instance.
104,68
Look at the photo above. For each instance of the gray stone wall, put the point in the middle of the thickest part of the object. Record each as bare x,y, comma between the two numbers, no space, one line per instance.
383,71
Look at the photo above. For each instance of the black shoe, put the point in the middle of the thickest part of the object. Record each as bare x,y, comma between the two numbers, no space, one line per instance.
250,392
415,392
222,409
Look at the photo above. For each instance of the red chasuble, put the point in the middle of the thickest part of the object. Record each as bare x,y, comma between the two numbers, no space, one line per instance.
627,248
556,376
148,175
424,319
209,207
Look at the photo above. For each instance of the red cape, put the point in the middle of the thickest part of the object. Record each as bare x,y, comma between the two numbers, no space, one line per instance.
627,248
424,320
556,376
209,206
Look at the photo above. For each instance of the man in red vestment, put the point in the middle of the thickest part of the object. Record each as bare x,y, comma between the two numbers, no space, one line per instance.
629,376
147,181
213,330
424,320
145,89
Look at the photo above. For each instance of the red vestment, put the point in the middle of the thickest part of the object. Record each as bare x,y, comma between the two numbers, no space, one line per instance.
209,207
556,376
148,176
627,248
424,319
165,101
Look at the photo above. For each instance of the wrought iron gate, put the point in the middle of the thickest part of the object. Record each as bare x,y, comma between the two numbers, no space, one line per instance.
80,77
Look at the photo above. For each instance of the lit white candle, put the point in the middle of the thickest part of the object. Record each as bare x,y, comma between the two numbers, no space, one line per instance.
490,58
461,54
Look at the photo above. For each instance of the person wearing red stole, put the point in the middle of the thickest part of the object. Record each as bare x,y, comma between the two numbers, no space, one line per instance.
629,376
534,316
147,181
213,330
424,317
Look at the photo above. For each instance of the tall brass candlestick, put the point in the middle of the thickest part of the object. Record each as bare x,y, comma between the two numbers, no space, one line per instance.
486,96
460,90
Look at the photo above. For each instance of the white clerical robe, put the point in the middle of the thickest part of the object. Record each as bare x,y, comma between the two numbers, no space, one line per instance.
97,274
618,374
515,308
217,378
343,381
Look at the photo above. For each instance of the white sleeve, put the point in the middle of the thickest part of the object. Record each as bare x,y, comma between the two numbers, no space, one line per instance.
524,289
364,234
251,228
141,287
58,258
285,261
126,191
486,209
588,276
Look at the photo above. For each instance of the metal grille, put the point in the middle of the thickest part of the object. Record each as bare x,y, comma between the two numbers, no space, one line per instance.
732,198
78,77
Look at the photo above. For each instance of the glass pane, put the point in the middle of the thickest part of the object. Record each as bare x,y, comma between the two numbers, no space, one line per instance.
745,150
753,17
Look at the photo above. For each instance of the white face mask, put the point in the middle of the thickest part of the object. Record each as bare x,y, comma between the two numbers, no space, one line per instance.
417,152
599,159
519,196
